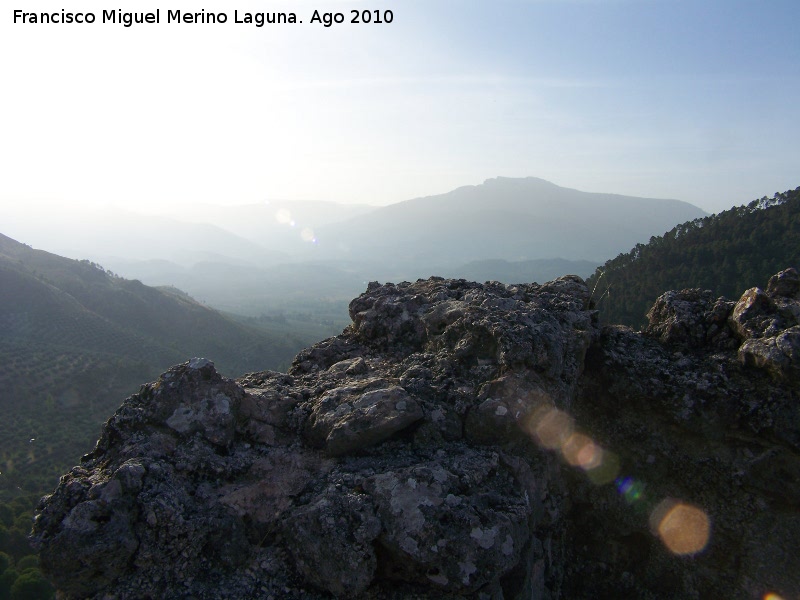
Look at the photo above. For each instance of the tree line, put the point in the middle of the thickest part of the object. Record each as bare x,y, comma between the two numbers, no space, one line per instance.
728,253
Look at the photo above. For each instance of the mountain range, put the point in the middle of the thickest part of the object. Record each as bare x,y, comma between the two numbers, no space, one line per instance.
313,257
504,218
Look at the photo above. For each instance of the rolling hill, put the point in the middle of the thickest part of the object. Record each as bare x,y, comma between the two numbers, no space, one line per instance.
74,339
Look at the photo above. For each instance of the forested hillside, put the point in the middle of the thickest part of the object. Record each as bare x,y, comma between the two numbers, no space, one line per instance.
725,253
75,340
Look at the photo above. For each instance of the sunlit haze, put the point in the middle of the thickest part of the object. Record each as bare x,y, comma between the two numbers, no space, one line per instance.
670,99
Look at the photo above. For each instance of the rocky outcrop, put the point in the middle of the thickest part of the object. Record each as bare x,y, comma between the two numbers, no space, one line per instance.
764,326
458,440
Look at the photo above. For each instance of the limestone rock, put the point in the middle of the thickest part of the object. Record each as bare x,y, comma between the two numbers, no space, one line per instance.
785,284
763,326
692,318
754,314
337,532
458,440
457,523
348,422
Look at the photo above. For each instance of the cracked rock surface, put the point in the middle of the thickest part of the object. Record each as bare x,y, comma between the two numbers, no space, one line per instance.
447,445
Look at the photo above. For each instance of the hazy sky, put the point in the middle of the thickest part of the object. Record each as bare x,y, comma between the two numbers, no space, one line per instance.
688,99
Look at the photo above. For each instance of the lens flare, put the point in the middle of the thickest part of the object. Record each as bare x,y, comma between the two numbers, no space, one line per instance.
607,471
772,596
283,216
307,234
555,430
580,451
631,490
684,529
551,427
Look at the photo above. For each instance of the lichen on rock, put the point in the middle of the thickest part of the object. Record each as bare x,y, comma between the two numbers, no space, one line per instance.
404,458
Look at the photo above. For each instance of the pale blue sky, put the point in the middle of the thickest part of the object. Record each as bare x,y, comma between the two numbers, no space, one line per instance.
695,100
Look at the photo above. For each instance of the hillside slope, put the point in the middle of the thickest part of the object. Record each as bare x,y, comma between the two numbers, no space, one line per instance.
725,253
73,338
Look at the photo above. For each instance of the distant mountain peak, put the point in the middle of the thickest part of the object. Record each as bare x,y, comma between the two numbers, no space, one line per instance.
503,180
509,218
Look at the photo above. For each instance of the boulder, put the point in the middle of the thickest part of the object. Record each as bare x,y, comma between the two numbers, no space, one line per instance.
691,318
785,284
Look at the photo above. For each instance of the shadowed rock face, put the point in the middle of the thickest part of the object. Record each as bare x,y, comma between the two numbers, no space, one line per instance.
458,440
